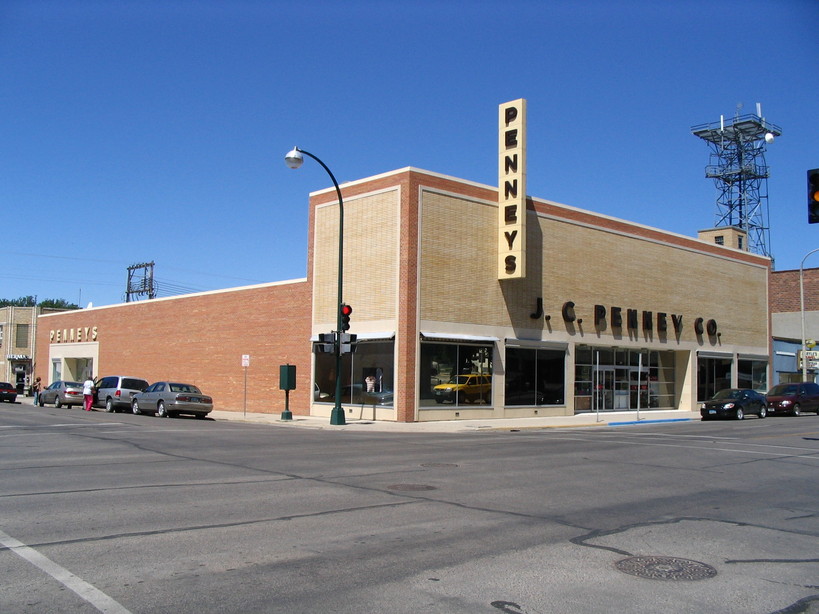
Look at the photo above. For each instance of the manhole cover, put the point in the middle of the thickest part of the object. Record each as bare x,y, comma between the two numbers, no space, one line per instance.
410,487
665,568
438,465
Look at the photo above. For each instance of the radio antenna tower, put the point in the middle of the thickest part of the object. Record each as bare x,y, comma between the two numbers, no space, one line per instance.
140,284
739,171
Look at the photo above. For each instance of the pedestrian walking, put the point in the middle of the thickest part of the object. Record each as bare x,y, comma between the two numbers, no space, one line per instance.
36,389
88,393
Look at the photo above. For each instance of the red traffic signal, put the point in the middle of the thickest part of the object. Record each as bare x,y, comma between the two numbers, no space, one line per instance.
345,310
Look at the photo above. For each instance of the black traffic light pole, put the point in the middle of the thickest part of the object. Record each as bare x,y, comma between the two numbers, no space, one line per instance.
337,415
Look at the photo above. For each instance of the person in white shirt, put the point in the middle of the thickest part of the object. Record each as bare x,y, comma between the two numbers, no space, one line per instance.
88,393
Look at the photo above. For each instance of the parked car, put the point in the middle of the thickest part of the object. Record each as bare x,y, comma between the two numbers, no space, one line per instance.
734,403
167,399
62,393
793,398
464,389
8,392
357,395
318,395
114,392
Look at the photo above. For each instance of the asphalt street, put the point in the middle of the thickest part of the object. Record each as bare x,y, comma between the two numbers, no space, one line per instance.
121,513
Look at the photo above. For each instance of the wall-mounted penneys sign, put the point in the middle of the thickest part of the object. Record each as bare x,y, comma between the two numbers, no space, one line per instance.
512,190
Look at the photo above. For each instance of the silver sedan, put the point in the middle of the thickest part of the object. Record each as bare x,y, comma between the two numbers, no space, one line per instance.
167,399
62,393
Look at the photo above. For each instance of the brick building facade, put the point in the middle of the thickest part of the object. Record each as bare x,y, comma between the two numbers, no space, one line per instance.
610,315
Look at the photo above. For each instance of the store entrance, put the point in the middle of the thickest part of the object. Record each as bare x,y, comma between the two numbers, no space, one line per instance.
78,369
605,388
613,390
619,379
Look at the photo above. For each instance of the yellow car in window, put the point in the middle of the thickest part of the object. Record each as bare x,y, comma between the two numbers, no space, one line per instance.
471,388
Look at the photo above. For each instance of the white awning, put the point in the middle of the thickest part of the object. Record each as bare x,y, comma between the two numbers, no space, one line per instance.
457,337
365,336
512,342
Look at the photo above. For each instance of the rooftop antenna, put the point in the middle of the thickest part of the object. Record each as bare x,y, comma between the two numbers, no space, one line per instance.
140,284
740,173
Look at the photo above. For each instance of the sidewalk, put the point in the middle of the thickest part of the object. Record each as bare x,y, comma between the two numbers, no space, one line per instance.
624,418
628,418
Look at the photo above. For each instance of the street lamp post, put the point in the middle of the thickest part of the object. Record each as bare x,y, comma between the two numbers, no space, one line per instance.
802,312
294,159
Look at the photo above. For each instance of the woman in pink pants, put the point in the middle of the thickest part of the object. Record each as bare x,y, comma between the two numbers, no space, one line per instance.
88,393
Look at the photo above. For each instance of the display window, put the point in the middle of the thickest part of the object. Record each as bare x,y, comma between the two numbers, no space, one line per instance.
455,374
753,373
713,374
367,375
535,377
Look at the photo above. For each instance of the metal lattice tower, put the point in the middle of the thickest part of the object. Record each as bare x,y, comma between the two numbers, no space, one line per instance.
739,171
139,285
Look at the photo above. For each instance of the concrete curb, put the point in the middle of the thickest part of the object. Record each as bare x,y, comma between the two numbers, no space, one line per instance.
454,426
579,421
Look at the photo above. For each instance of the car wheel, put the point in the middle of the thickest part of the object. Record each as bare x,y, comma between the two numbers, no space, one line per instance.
763,411
41,401
109,405
796,410
135,407
201,416
161,411
740,414
57,403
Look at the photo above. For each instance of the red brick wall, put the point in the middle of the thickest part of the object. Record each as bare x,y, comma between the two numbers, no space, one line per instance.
200,339
785,294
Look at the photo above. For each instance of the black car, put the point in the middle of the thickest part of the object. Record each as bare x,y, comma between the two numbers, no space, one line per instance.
734,403
7,392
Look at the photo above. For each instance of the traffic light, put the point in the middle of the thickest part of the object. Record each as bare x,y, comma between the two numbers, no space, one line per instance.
345,311
326,344
347,343
813,196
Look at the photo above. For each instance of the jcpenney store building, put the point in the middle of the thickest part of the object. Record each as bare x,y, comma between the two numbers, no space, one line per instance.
562,310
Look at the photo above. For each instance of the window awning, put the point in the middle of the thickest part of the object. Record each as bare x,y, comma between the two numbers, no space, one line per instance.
512,342
457,337
375,336
386,336
760,357
715,355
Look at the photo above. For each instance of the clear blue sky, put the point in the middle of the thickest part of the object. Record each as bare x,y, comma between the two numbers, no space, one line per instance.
133,131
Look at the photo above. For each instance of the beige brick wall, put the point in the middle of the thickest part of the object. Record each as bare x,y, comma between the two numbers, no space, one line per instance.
371,254
609,263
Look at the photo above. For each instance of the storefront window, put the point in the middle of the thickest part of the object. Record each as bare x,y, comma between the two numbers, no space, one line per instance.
56,369
617,379
753,374
713,374
455,374
367,376
535,377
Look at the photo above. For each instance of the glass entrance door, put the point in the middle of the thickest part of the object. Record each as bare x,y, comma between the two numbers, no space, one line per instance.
605,388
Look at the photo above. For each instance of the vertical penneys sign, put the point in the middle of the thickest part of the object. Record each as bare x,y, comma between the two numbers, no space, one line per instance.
512,190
